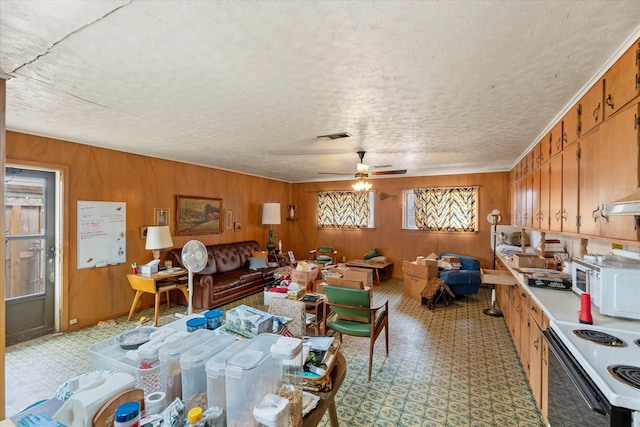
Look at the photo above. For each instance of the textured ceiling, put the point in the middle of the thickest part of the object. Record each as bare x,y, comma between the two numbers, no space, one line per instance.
432,86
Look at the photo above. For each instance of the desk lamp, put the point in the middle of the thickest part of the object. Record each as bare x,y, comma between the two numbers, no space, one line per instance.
271,216
494,219
158,237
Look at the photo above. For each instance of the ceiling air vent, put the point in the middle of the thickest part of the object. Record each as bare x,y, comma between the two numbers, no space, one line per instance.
333,136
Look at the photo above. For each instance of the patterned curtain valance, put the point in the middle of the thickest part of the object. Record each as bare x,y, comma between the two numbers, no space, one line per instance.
343,209
446,209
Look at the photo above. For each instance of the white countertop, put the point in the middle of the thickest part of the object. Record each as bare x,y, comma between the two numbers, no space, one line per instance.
563,306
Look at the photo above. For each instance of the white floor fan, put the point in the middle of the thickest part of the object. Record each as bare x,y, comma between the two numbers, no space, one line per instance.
194,257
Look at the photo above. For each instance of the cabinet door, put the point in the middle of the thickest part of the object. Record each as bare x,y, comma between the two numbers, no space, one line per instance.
618,168
570,189
620,82
529,213
545,183
592,109
535,361
556,138
571,125
555,194
536,221
545,148
588,186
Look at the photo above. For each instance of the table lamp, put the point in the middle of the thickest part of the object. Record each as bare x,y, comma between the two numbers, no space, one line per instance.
271,216
158,237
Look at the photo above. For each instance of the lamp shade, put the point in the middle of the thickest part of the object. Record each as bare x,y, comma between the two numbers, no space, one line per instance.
494,217
158,237
271,213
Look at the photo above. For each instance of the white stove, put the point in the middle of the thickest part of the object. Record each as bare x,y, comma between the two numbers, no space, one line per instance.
596,359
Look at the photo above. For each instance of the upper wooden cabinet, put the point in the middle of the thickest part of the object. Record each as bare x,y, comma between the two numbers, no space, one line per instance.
589,184
545,148
570,159
622,81
591,106
571,125
556,138
555,194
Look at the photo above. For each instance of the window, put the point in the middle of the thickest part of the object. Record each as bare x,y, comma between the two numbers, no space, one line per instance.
441,209
345,209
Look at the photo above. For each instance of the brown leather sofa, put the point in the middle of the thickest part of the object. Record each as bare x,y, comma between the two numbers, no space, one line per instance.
227,276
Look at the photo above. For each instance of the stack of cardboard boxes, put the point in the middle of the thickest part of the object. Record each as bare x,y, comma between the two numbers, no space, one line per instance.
417,274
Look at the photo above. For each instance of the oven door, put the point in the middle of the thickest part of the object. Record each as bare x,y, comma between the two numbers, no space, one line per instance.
574,400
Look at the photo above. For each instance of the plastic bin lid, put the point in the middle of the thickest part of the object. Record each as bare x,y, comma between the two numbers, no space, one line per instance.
258,349
199,355
286,348
179,346
215,366
212,314
271,409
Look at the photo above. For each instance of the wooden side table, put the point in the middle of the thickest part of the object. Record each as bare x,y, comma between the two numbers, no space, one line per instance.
150,284
316,308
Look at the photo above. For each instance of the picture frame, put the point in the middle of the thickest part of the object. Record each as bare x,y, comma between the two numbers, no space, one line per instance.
143,232
161,216
228,219
237,226
198,215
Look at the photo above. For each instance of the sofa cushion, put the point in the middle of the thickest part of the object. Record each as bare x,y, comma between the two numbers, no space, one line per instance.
227,257
256,263
245,250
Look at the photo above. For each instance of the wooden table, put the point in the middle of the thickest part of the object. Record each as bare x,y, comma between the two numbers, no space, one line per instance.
385,267
327,399
149,284
316,308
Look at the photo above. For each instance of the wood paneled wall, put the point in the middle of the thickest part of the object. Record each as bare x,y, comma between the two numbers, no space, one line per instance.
388,235
144,183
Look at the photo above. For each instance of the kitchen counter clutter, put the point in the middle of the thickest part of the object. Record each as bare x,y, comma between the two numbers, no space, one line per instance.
598,363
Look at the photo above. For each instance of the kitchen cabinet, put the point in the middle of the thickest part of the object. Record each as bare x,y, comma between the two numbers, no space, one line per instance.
545,148
555,193
591,105
617,168
622,81
536,219
545,188
570,159
571,126
557,138
588,186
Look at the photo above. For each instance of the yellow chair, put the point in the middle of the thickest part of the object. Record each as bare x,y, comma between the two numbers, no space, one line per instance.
352,314
324,255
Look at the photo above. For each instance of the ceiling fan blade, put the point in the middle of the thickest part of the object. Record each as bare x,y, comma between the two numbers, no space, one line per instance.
334,173
394,172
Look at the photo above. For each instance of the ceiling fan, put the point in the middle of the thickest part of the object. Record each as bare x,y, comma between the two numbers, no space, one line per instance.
362,170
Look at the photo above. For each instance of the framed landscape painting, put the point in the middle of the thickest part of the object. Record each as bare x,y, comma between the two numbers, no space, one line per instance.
198,215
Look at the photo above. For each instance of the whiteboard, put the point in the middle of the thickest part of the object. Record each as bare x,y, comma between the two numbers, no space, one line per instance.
101,233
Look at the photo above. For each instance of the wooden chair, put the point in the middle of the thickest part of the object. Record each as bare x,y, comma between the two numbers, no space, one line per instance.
324,255
354,315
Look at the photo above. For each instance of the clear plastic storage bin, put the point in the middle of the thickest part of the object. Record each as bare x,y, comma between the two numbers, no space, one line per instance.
250,375
216,382
194,378
288,352
169,355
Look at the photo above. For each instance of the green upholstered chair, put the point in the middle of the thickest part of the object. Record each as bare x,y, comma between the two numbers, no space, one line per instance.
352,314
324,255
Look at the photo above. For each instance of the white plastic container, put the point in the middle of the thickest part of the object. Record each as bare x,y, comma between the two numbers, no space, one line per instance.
169,356
216,382
272,411
194,378
288,351
250,375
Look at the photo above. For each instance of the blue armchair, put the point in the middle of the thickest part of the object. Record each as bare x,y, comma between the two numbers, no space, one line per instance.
464,281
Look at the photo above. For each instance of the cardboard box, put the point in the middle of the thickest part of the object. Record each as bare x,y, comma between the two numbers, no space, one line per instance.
451,259
296,294
304,278
497,277
528,261
365,275
248,321
318,286
430,269
413,286
416,276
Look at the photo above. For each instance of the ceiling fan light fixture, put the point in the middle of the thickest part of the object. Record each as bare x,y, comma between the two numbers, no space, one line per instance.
362,169
361,185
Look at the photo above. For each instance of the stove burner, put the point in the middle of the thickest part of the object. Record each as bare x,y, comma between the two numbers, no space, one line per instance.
637,342
629,375
598,337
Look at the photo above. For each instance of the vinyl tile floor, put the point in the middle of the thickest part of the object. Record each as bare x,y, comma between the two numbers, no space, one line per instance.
448,367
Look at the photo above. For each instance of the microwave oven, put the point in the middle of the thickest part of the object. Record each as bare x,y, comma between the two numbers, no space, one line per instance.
614,285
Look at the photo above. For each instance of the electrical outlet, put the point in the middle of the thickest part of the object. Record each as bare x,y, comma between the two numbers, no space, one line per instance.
73,321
